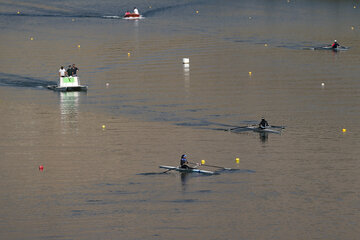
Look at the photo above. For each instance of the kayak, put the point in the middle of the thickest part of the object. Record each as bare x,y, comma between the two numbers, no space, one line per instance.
188,170
68,84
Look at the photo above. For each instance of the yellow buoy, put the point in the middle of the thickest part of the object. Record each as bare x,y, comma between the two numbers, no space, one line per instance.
354,6
250,73
79,46
197,11
103,126
344,130
18,12
202,162
31,38
352,28
129,54
237,160
265,45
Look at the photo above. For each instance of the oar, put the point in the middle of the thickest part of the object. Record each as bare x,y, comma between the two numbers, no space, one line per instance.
216,166
197,164
168,170
213,166
230,129
282,127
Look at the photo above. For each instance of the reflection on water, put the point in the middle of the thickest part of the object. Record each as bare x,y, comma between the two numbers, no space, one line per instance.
69,104
263,136
184,178
187,78
136,23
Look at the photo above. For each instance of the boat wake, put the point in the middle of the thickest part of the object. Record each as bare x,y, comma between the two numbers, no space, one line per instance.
112,17
133,18
55,15
155,11
69,16
14,80
281,44
122,17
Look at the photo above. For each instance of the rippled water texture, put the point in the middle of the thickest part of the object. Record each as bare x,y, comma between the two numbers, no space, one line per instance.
101,150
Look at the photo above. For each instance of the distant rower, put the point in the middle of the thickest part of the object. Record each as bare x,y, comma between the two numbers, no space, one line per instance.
184,162
263,124
335,44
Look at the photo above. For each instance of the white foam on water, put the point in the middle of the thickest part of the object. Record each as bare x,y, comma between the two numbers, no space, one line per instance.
115,17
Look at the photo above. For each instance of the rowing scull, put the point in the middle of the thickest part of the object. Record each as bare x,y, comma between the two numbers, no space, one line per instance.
189,170
259,129
256,128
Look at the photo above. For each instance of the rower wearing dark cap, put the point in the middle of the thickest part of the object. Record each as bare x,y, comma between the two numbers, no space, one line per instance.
263,124
184,162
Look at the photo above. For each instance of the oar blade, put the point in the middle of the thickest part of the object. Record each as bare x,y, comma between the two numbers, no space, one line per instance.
273,126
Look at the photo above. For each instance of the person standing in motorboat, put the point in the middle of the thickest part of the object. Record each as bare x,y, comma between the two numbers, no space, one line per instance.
69,71
335,44
74,70
136,11
62,72
263,124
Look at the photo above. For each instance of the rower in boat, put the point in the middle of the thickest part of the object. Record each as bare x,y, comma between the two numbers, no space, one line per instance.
185,168
136,11
184,162
335,45
263,124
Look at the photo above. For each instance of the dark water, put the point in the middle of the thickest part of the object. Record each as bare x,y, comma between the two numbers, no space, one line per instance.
104,182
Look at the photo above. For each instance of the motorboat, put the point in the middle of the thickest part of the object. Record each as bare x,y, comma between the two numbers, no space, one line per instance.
132,16
68,84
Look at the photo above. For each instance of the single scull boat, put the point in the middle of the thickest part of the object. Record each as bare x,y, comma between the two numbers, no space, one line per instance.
340,48
256,128
188,170
267,129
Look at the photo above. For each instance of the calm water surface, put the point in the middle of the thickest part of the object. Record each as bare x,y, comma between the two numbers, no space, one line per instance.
104,183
